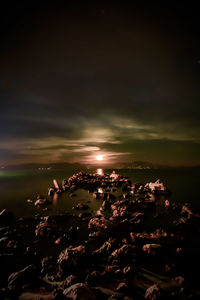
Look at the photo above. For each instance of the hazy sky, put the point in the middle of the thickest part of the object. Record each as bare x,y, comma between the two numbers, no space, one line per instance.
119,81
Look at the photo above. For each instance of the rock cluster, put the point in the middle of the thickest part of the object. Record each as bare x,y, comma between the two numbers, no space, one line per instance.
137,247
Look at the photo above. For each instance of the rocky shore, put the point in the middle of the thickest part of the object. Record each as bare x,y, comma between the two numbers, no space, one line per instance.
138,245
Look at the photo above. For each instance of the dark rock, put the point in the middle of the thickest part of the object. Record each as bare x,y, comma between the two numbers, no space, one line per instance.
71,258
79,291
48,265
122,287
57,294
94,277
151,248
106,248
36,296
3,241
12,244
101,224
41,201
153,292
128,271
125,251
81,206
51,192
17,279
70,280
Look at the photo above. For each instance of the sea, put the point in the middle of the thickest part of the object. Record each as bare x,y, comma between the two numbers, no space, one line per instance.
16,187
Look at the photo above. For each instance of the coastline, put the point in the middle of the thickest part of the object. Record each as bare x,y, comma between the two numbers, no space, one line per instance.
133,244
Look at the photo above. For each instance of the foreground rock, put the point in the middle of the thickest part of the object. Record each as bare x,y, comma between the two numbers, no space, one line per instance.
18,279
135,246
72,258
79,291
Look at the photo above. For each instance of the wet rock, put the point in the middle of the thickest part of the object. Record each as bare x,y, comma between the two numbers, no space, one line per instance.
29,201
79,291
94,277
62,240
141,237
106,248
3,230
41,201
112,271
81,206
122,287
12,244
3,241
57,294
51,192
180,222
72,257
153,292
105,205
180,280
70,280
186,210
151,248
36,296
167,203
125,251
128,271
101,224
157,187
96,234
44,229
137,217
48,265
179,251
17,279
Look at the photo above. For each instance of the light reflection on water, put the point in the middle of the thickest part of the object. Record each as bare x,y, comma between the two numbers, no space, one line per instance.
55,199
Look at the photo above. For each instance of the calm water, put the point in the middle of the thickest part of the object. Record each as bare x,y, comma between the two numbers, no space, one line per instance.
17,187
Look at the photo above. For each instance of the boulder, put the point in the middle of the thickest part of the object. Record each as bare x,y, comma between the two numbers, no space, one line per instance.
70,280
125,251
106,248
79,291
151,248
101,224
71,258
41,201
153,292
17,279
81,206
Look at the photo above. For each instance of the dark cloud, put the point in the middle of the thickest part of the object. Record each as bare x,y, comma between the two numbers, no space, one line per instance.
126,81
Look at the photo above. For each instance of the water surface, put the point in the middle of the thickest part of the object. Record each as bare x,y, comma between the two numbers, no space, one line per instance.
18,186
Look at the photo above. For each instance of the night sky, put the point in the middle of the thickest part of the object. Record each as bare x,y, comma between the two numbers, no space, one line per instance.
84,80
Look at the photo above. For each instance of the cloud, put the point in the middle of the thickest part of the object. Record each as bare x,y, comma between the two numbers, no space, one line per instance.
79,85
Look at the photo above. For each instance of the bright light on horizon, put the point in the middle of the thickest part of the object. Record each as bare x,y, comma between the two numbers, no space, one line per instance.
99,157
